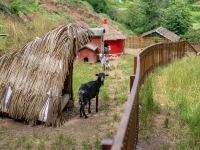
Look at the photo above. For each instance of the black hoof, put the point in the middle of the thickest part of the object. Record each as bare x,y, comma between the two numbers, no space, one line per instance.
86,117
89,111
96,110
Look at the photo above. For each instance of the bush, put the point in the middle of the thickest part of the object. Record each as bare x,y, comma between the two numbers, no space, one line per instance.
192,35
17,6
177,18
99,6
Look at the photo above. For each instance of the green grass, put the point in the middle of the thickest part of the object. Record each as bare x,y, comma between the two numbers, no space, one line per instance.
195,16
148,103
180,88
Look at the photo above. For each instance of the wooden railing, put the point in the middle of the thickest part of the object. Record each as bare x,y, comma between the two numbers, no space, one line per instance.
144,64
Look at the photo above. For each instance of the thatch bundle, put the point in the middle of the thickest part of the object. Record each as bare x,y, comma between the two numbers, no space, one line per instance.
32,79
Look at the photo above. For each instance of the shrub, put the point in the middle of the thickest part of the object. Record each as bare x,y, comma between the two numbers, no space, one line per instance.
192,35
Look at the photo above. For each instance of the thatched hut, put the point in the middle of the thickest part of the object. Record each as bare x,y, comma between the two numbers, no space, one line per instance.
36,81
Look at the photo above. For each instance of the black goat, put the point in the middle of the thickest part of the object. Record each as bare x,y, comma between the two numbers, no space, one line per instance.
88,91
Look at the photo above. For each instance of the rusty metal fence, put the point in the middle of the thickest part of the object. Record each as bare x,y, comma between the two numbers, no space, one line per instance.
144,64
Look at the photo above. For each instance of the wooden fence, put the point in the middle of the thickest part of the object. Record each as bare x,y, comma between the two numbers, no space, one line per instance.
196,45
139,42
144,64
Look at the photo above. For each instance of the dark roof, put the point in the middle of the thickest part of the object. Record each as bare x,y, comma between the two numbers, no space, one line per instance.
98,32
163,32
90,47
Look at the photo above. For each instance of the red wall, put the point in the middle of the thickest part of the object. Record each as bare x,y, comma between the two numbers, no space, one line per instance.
91,55
116,46
97,41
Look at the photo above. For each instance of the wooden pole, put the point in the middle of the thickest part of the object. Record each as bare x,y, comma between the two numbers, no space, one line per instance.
107,144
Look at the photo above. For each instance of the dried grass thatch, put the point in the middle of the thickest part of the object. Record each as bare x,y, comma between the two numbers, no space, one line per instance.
35,76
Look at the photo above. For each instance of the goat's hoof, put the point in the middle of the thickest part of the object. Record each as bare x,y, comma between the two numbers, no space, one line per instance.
89,111
81,116
96,110
86,117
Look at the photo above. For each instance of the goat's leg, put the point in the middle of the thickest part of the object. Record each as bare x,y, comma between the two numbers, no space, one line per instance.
97,101
104,67
83,110
89,111
81,107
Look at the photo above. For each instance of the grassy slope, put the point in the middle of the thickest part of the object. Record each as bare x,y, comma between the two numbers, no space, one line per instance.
43,18
180,92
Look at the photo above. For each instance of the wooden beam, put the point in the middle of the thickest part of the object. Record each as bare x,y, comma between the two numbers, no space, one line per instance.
2,34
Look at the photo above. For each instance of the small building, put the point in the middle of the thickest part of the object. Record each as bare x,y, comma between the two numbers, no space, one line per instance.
88,53
114,38
160,34
98,38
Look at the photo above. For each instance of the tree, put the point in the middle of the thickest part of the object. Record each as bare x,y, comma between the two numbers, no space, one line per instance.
192,35
177,17
136,19
99,6
152,12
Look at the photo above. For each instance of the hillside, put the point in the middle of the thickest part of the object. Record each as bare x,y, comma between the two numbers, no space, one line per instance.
24,21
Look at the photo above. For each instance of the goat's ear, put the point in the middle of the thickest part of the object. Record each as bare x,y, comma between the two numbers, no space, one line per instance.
106,75
97,74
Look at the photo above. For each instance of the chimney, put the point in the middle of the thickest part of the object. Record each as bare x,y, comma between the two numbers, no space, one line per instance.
105,21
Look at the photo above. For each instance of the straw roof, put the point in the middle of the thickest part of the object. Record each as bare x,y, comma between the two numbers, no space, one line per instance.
90,46
112,33
163,32
34,76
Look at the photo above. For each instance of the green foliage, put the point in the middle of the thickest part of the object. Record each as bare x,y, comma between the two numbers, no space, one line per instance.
29,6
192,35
152,12
194,8
136,20
177,17
17,6
191,1
99,6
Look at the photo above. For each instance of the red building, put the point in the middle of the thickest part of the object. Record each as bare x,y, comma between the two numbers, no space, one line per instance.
114,38
88,53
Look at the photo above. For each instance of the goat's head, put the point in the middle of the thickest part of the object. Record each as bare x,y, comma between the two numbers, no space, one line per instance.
101,77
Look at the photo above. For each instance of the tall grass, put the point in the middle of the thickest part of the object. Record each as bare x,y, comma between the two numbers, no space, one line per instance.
21,33
148,104
181,86
182,83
